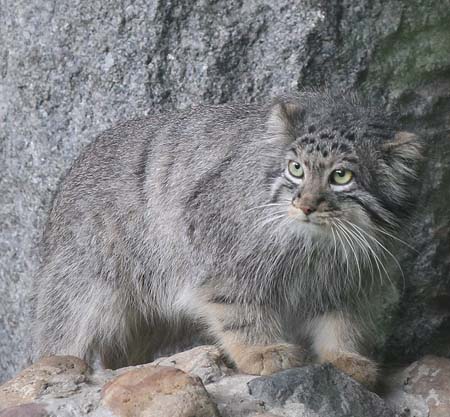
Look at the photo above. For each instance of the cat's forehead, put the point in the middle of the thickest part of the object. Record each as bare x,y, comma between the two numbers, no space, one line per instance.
327,145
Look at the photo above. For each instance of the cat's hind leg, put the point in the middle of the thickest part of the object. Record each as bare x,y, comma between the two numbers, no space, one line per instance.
86,318
134,343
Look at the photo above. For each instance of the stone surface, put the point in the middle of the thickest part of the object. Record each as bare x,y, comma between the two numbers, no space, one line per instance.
65,387
319,391
26,410
423,389
158,391
204,361
232,397
70,69
58,375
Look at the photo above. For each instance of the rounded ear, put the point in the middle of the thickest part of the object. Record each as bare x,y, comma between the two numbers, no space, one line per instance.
403,153
405,145
285,118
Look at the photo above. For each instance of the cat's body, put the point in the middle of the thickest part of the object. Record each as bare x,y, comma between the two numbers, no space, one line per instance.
194,217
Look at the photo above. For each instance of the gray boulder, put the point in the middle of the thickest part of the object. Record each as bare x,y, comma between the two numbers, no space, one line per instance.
317,391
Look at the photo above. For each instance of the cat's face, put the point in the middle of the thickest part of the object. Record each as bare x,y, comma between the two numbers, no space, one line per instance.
345,180
322,182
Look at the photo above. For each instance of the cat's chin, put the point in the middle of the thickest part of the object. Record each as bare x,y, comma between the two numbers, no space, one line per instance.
312,228
314,225
308,221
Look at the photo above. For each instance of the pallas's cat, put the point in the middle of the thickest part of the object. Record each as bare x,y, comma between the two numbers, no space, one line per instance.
266,226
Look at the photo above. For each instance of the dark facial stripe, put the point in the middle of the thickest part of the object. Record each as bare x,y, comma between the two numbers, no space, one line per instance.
221,299
234,327
377,217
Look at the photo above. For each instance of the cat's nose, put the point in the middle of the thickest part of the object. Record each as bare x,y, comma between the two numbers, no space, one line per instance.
307,209
304,206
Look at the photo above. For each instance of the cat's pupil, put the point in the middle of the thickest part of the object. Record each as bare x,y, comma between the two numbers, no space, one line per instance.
340,173
297,165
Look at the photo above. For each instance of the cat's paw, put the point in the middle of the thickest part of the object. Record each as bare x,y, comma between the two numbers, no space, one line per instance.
266,360
358,367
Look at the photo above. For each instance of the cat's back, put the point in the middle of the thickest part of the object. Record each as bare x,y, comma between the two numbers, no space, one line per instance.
128,148
148,162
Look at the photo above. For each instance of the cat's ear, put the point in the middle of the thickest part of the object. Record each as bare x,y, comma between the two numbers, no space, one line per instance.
403,153
284,120
405,145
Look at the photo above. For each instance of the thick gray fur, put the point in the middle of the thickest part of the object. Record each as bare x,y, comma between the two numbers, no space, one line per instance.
164,221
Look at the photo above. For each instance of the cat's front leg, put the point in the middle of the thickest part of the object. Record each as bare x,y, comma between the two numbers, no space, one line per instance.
262,359
251,337
336,339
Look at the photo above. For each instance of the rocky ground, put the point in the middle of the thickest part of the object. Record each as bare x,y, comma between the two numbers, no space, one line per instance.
197,383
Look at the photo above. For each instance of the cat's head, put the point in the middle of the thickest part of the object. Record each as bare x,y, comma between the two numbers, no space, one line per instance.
346,168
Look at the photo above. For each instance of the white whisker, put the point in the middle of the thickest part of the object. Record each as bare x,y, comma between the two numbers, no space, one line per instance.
384,232
375,256
265,206
347,236
345,251
381,246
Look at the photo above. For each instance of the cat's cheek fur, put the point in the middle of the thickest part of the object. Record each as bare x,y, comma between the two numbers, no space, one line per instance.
356,215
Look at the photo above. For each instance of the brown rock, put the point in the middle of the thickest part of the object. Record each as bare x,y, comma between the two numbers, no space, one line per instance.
63,372
430,379
422,389
27,410
158,391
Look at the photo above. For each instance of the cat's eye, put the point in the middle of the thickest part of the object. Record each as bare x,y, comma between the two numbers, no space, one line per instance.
341,176
295,169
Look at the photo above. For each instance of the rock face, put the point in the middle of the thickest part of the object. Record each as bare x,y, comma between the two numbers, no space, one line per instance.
197,383
70,69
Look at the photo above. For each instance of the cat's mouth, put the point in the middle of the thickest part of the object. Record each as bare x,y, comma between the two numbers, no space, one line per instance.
315,218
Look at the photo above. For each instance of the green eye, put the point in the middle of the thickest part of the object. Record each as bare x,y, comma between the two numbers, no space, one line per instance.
341,176
295,169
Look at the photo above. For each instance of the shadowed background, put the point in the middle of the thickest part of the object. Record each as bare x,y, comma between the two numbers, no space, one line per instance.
69,69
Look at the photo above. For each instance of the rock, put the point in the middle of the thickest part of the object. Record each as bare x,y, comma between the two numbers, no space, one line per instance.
66,387
422,389
319,391
27,410
232,397
265,415
158,391
60,375
206,362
